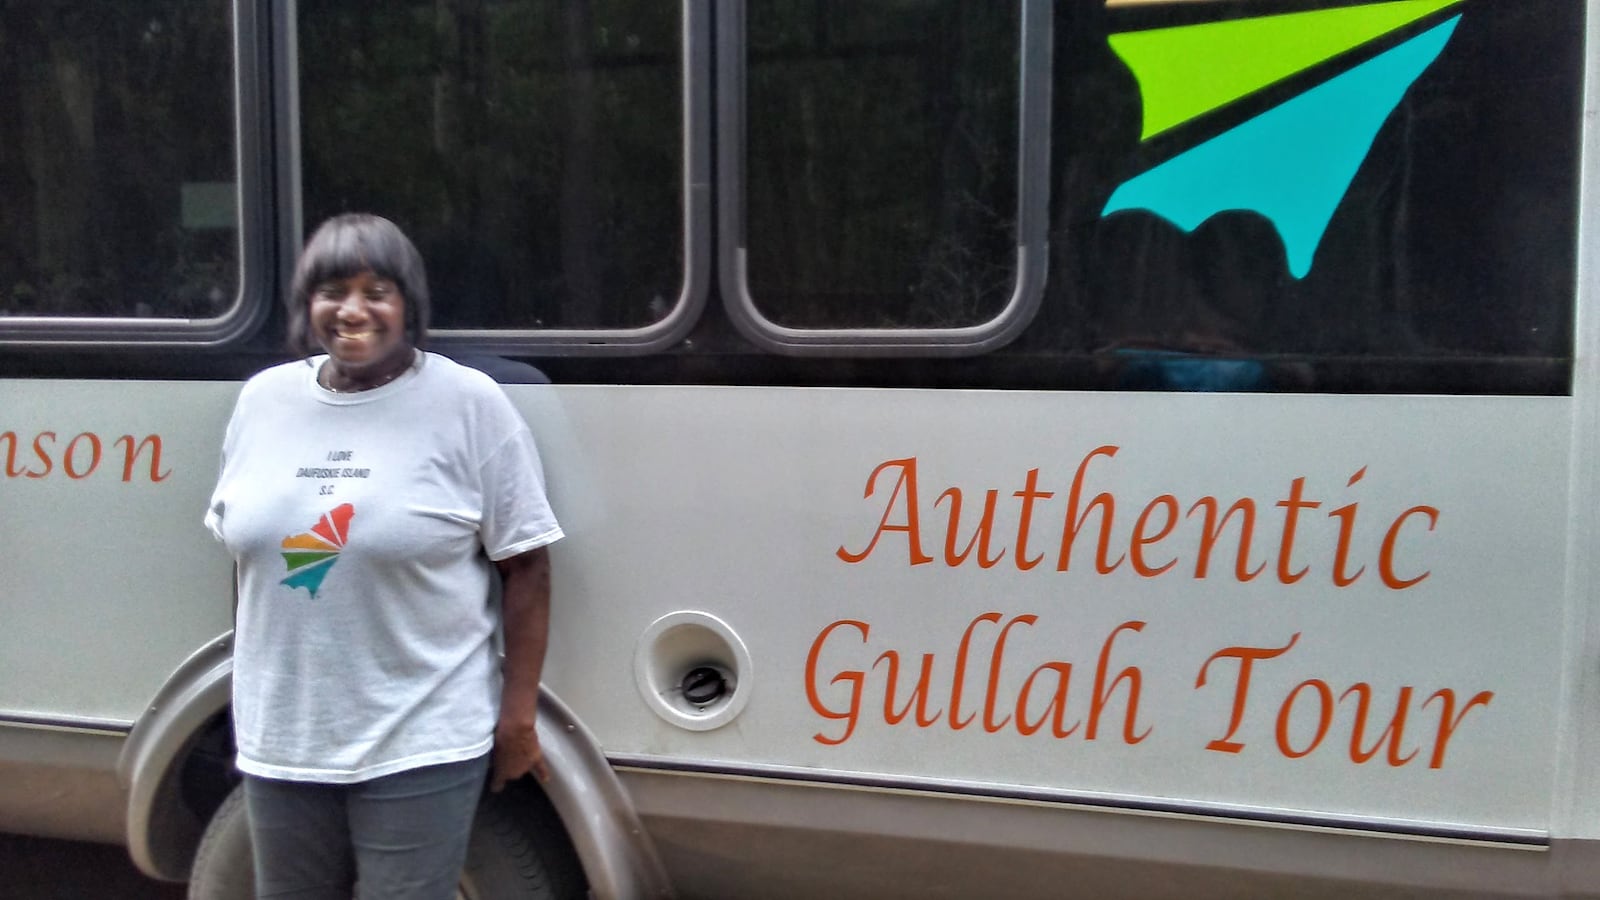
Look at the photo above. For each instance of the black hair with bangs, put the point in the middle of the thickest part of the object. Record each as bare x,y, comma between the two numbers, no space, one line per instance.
347,245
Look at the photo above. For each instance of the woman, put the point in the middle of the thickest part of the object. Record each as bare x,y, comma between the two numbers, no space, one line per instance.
363,493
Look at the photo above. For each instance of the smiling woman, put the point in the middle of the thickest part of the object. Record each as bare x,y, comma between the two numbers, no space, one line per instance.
364,756
360,321
360,293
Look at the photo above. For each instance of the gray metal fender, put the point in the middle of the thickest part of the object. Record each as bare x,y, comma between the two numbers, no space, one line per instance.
617,855
162,831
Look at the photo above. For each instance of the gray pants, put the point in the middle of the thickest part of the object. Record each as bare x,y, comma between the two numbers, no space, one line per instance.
399,837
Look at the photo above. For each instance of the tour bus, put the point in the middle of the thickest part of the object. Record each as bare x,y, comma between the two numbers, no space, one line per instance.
1043,448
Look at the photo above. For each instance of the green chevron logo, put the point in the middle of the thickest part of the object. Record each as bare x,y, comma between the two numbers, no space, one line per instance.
1293,163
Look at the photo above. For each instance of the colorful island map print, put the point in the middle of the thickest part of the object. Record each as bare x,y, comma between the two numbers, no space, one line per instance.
310,554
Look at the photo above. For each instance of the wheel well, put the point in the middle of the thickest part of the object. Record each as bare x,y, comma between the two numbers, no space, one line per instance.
189,791
523,825
206,774
178,766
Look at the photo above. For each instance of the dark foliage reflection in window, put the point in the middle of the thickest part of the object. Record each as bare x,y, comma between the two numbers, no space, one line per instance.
532,149
117,195
881,162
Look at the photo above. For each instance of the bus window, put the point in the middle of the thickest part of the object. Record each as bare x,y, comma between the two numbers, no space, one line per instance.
534,150
118,167
879,172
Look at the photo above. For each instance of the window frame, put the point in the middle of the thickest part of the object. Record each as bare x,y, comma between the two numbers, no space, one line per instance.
1033,205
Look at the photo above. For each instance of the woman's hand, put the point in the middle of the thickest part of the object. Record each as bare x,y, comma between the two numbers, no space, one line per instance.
516,752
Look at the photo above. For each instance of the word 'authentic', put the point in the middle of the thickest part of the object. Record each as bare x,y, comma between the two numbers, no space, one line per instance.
1156,523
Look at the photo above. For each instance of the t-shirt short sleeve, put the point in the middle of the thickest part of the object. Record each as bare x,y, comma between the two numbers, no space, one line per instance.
217,506
213,519
516,514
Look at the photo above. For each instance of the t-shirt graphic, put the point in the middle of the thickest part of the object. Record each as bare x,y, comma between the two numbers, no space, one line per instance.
310,554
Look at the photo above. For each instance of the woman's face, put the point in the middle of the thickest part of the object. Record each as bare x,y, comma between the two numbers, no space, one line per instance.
361,322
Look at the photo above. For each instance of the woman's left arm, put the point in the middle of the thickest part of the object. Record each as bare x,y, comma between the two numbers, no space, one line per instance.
525,605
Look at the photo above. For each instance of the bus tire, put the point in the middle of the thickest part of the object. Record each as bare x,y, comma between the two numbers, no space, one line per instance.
224,864
518,851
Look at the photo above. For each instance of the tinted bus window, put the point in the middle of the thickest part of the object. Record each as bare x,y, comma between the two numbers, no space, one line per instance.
881,162
1398,190
532,149
117,163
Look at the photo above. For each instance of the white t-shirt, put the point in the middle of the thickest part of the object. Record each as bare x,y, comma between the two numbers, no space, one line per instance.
365,637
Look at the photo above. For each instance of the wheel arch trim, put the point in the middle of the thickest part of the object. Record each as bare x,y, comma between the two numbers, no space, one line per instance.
162,835
618,857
